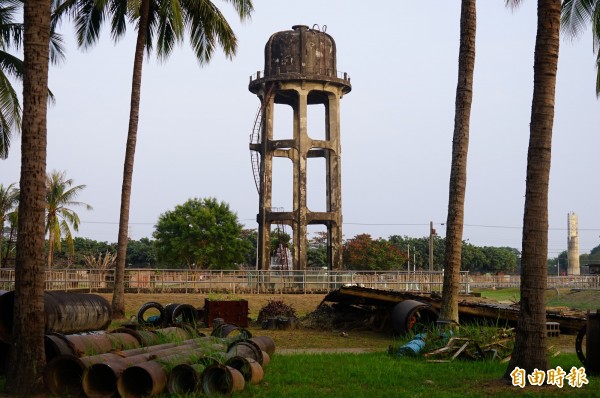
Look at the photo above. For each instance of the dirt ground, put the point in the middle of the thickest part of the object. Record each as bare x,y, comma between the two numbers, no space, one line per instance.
302,339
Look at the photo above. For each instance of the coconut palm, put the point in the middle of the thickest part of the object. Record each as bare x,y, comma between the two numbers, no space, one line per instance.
9,199
458,171
60,196
160,24
575,16
530,341
11,67
27,357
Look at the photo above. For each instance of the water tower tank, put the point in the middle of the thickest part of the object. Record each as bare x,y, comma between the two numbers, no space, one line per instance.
301,53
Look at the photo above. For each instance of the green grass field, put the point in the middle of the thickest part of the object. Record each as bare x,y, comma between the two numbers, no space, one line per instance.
381,375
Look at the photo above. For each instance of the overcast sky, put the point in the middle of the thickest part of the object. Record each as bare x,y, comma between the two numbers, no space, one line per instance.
396,124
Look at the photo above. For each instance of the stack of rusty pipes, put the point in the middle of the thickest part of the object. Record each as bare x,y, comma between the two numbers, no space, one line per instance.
212,366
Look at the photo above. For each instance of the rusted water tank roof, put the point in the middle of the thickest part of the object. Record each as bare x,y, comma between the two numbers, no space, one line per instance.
300,54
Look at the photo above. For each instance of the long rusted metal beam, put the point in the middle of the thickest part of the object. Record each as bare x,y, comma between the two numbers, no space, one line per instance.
569,324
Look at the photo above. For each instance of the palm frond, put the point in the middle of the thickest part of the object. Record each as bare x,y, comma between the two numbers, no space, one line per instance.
575,15
88,21
57,49
118,9
207,26
512,4
10,114
244,8
170,26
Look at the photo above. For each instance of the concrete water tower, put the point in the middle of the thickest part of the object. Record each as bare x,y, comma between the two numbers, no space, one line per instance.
573,245
300,71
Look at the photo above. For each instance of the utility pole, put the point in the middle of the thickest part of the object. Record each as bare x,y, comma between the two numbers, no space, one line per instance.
408,259
431,235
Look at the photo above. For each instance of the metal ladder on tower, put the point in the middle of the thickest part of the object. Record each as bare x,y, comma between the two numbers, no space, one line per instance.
255,138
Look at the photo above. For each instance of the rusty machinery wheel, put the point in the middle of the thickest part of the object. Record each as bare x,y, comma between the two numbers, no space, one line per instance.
410,315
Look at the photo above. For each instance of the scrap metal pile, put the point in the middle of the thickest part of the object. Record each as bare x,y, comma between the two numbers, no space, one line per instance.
144,358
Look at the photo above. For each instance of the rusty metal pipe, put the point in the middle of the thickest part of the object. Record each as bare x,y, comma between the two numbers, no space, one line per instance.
64,373
85,345
185,378
64,313
265,343
150,378
221,381
246,348
101,379
251,370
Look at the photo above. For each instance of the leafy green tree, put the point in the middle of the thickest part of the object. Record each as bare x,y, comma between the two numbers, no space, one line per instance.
419,250
60,197
317,250
364,253
530,347
141,253
9,200
202,234
250,236
499,259
473,258
166,22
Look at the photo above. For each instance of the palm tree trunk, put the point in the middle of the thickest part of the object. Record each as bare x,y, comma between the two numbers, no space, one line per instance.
118,301
9,243
458,172
27,358
50,247
530,350
1,245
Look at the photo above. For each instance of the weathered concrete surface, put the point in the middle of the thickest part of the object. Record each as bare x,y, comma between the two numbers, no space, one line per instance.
300,70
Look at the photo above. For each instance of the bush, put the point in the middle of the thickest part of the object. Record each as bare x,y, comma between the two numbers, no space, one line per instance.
275,308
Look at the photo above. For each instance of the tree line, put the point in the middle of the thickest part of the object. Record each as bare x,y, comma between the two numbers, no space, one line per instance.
206,234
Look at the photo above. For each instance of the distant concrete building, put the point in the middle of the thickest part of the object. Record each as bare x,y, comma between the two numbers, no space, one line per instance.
300,71
573,245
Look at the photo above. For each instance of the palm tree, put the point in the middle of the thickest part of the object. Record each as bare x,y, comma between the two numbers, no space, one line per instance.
27,357
458,172
60,193
10,66
159,23
575,16
530,341
9,199
11,37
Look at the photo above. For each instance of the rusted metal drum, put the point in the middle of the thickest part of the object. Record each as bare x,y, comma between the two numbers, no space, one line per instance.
409,314
65,313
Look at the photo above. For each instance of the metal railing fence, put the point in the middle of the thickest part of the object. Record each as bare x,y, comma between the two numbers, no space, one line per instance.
255,281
